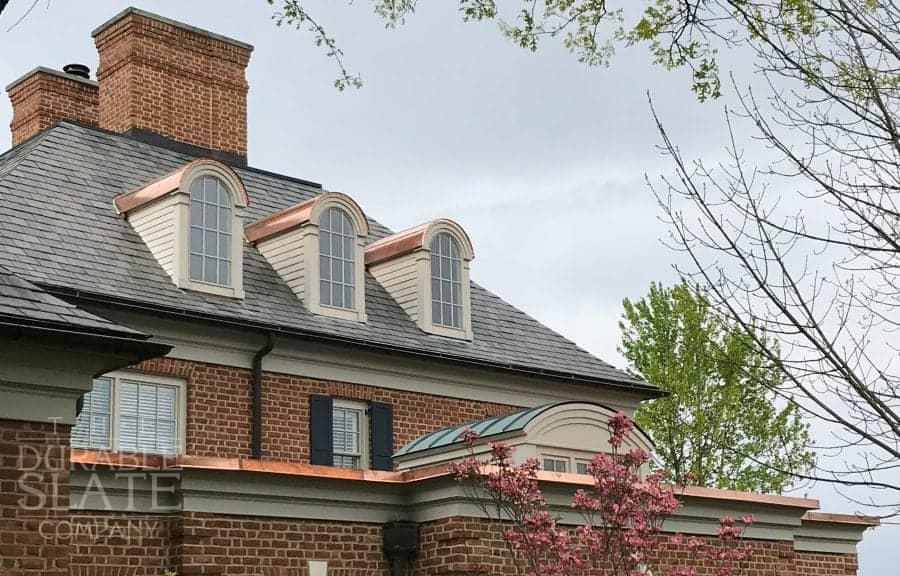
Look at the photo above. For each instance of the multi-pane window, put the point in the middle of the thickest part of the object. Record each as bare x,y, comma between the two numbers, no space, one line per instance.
446,281
554,464
581,466
348,434
211,218
131,415
336,259
92,429
147,417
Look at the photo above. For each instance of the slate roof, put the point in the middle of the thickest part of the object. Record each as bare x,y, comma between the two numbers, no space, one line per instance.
488,427
24,304
59,229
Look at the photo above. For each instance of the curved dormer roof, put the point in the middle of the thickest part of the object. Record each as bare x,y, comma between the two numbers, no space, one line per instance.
415,238
300,214
533,422
173,181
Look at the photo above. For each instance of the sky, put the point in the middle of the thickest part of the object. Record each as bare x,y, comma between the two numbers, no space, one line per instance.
542,160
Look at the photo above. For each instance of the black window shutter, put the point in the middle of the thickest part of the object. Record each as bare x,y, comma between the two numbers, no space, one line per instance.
321,445
381,417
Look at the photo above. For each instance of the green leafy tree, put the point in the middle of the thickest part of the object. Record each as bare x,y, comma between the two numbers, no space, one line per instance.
720,424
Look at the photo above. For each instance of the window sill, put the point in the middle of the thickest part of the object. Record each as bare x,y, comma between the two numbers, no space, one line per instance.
214,289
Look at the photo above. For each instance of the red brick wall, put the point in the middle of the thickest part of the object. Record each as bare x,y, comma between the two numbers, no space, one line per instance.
34,498
121,544
43,98
218,409
234,545
176,82
453,546
818,564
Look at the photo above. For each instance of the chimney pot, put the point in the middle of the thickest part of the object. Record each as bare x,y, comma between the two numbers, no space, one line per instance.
79,70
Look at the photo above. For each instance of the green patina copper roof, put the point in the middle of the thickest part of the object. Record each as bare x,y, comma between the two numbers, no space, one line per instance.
487,427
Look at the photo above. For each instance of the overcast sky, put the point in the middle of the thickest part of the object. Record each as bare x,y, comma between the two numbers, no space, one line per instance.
454,121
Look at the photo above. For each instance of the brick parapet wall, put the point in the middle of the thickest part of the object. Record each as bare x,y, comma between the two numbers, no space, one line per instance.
218,409
457,546
34,498
43,97
174,81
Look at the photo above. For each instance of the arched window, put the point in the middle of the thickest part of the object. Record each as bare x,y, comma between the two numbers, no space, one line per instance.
336,259
446,281
211,217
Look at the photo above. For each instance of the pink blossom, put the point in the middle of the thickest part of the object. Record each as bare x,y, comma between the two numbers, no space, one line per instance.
469,435
747,518
623,509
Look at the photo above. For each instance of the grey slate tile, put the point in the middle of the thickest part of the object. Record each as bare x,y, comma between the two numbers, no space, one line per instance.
56,194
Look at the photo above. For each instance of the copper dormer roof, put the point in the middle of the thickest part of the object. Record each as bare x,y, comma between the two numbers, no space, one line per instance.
299,214
413,239
173,181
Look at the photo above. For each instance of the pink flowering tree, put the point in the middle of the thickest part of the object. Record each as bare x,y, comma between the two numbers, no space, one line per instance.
621,515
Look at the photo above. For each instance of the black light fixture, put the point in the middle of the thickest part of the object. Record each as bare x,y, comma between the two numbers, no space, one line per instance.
401,542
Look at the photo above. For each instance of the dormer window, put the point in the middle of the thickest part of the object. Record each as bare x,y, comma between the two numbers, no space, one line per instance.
337,256
426,270
210,259
191,222
317,249
446,281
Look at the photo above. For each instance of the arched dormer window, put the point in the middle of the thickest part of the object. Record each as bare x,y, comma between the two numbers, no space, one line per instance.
316,246
446,281
211,229
426,270
337,259
191,220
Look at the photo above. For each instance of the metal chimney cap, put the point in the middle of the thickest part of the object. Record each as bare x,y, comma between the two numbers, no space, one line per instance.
79,70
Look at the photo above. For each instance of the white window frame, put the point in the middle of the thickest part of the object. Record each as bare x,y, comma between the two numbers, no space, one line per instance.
557,458
344,259
217,231
579,461
363,409
455,268
235,288
423,263
116,379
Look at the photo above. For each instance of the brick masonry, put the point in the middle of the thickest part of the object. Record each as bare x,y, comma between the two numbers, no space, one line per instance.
193,544
454,546
42,98
218,409
175,81
34,498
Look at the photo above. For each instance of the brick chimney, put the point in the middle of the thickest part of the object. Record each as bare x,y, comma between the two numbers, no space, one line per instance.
43,96
159,77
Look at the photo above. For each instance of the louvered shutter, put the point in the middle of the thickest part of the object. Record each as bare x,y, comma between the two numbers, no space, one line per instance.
129,417
382,423
91,428
321,447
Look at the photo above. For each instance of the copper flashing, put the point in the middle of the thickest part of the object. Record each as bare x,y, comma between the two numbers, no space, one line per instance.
833,518
397,244
297,215
410,240
106,458
169,183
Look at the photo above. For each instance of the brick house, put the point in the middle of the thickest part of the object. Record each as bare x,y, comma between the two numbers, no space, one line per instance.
214,369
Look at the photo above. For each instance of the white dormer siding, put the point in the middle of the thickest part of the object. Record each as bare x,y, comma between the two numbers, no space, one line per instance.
287,255
155,223
290,240
402,264
400,277
198,241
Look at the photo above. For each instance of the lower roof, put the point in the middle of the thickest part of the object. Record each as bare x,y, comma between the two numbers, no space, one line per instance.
59,230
